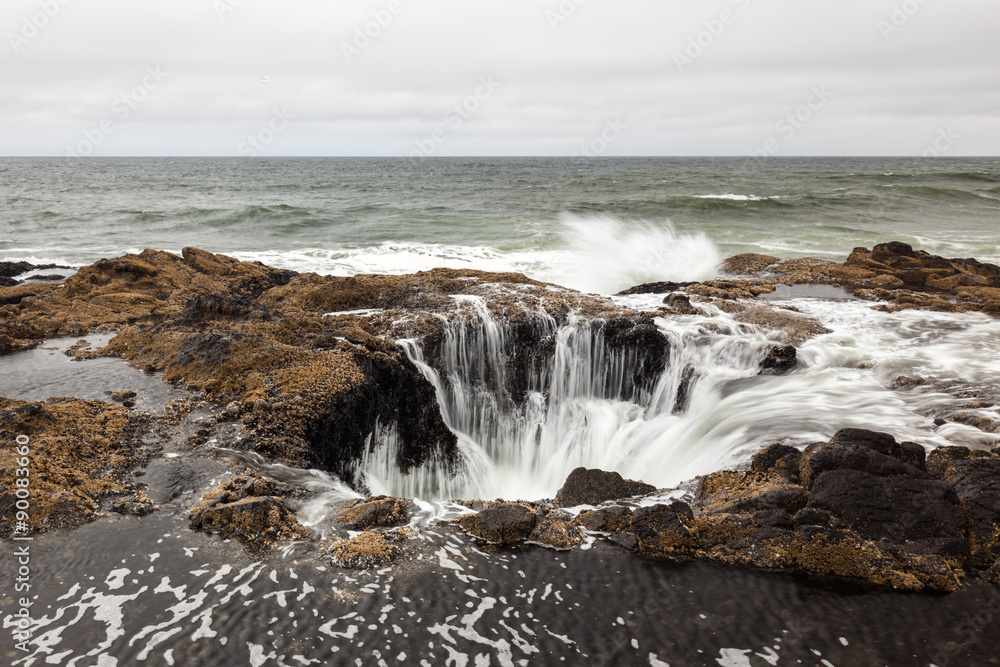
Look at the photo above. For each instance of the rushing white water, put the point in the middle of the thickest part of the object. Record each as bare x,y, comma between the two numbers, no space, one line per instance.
582,406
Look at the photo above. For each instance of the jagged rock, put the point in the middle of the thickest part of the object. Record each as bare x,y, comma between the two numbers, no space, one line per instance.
500,523
748,263
654,288
613,519
976,481
680,303
246,508
371,512
80,452
794,329
854,449
370,549
664,528
593,487
779,360
984,424
733,491
557,531
781,459
898,507
256,521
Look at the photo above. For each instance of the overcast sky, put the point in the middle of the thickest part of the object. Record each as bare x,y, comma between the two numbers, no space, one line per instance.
517,77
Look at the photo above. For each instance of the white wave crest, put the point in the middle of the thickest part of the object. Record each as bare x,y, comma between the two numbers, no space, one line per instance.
609,254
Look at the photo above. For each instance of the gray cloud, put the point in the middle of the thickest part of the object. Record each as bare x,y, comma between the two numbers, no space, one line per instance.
683,78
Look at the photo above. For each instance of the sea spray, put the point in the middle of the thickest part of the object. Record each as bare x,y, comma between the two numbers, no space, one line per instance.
610,254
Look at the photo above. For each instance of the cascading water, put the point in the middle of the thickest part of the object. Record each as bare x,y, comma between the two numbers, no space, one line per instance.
579,401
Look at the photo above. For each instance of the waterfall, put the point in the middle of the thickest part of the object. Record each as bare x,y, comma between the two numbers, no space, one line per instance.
532,399
524,423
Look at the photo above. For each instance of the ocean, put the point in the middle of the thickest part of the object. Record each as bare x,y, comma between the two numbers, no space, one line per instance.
126,590
595,224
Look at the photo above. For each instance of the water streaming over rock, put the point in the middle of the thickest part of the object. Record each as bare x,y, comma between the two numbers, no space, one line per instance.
530,400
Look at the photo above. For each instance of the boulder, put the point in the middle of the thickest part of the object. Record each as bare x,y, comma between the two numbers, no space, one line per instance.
246,508
778,458
857,449
556,531
500,523
591,487
372,512
664,528
369,550
257,521
778,360
731,491
613,519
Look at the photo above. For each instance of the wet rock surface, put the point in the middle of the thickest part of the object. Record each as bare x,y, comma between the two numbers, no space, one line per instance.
308,380
593,487
373,512
247,508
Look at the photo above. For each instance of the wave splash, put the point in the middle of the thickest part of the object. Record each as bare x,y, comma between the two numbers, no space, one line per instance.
609,254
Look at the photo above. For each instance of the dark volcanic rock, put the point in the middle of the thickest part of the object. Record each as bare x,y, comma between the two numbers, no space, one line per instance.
500,523
779,359
899,508
246,508
613,519
976,480
781,459
372,512
664,528
557,531
257,521
733,491
593,487
654,288
858,449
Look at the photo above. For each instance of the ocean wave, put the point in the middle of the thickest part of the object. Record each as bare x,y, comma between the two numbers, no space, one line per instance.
597,253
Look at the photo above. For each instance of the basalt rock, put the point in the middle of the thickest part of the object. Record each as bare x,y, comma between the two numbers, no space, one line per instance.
500,523
247,508
779,359
592,487
370,549
373,512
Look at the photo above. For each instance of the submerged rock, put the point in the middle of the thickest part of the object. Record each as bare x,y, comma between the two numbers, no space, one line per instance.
593,487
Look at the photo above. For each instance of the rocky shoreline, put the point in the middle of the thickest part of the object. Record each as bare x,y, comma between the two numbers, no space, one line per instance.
300,369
